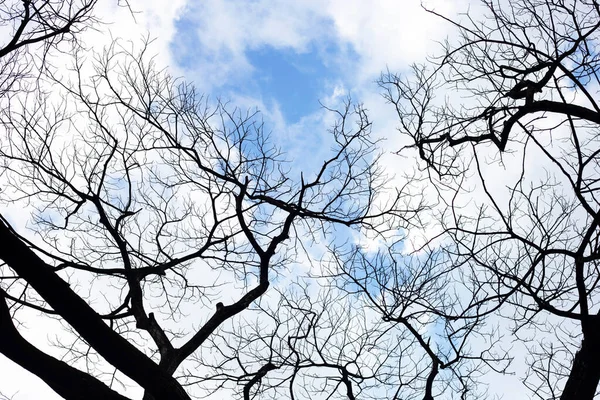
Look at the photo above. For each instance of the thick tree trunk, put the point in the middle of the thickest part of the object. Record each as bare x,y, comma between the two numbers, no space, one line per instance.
74,310
585,372
68,382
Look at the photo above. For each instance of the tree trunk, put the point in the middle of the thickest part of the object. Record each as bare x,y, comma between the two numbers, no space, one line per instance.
81,316
68,382
585,373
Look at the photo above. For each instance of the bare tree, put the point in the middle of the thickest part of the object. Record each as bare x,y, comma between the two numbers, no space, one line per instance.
160,217
427,301
507,122
315,343
39,26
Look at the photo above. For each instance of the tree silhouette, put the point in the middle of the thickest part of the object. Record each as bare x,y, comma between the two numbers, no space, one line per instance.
166,231
31,29
514,100
160,218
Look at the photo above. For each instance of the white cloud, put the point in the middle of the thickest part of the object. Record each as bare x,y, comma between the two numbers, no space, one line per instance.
386,33
367,36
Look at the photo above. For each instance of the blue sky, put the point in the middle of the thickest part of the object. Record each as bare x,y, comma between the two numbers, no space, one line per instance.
292,79
285,58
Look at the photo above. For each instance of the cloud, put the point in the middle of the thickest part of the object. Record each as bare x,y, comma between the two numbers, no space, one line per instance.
386,33
358,37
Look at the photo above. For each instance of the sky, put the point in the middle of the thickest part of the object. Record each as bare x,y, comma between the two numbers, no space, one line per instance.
281,57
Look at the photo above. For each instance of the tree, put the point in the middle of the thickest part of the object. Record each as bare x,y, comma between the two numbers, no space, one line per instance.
507,121
43,25
152,207
160,218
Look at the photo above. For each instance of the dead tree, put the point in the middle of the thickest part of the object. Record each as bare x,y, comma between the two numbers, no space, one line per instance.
506,120
160,217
